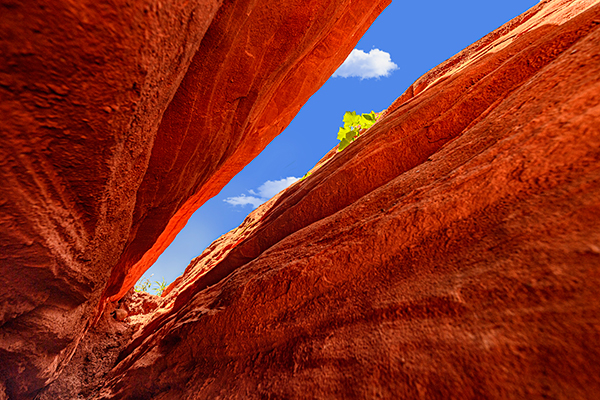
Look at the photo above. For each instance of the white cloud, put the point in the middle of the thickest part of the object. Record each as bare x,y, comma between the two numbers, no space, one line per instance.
262,194
271,188
373,64
243,200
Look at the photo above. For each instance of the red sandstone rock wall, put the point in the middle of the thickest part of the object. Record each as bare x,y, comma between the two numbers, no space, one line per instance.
451,252
83,86
256,67
118,120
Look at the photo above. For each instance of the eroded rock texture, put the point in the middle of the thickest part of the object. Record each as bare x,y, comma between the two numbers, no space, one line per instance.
450,252
118,120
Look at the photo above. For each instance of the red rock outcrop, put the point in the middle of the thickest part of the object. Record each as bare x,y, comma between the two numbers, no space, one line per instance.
450,252
100,347
118,121
256,67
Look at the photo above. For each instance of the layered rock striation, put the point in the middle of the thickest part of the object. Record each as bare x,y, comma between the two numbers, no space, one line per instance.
451,252
120,119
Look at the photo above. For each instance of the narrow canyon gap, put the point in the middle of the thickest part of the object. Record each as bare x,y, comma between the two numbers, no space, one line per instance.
452,251
93,98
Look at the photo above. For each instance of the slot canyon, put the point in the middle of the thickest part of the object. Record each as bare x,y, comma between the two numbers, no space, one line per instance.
452,251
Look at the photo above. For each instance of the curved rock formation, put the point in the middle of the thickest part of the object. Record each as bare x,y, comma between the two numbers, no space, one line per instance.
83,87
256,67
450,252
120,119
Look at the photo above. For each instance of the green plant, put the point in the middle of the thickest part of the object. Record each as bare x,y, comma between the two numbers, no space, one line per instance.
160,287
306,175
353,125
144,285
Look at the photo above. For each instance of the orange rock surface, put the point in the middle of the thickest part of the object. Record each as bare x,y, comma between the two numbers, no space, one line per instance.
256,67
451,252
119,120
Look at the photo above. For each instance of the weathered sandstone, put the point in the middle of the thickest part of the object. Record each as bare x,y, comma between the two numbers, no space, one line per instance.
118,120
450,252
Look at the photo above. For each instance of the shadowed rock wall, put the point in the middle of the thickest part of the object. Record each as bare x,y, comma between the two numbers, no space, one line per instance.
118,120
83,88
450,252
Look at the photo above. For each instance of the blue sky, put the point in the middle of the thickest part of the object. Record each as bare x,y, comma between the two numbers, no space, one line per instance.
413,36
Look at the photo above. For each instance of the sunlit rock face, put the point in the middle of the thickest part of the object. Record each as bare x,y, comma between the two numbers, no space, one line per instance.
256,67
452,251
118,120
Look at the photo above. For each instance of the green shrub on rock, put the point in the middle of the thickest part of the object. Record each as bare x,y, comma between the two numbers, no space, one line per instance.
353,125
